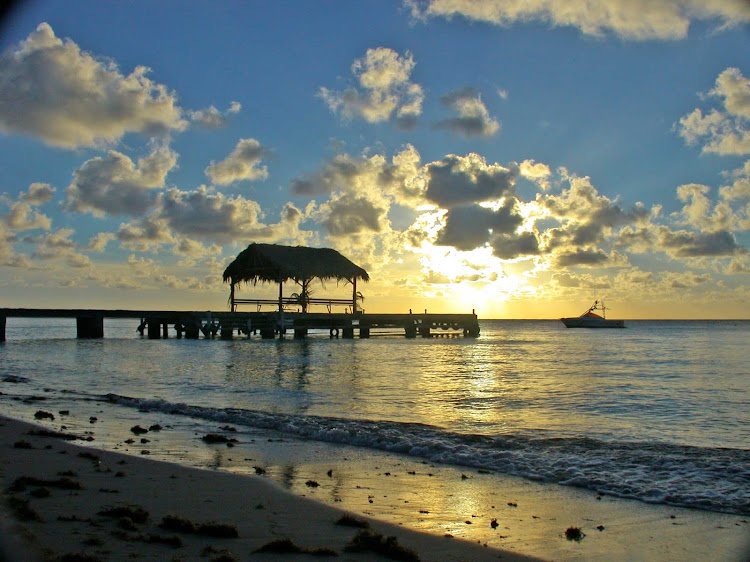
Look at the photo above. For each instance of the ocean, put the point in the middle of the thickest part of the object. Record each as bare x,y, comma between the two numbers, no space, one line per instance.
658,412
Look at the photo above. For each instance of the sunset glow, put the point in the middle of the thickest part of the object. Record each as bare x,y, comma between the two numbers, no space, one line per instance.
517,162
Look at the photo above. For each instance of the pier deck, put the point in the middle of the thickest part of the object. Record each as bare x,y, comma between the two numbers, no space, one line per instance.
156,324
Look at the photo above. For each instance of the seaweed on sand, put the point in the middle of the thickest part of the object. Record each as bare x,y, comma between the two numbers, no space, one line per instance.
351,521
286,546
211,529
54,434
64,483
22,510
79,557
386,546
574,534
216,438
177,523
136,513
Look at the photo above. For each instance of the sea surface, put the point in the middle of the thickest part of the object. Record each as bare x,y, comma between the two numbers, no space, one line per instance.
658,412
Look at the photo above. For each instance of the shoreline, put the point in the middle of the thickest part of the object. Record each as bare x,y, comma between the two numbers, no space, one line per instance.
397,496
72,520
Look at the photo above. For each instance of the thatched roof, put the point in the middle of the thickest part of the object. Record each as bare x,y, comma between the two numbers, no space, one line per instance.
274,263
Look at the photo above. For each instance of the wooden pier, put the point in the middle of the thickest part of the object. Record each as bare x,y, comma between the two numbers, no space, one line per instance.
157,324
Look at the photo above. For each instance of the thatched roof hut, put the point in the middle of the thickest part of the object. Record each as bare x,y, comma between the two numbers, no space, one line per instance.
273,263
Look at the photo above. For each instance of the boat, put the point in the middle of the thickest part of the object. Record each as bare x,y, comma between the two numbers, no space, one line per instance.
590,319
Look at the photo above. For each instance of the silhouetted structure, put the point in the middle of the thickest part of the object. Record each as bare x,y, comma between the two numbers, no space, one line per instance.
273,263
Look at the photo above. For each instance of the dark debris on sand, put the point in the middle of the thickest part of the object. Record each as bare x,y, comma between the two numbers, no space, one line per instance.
351,521
286,546
135,512
181,524
367,540
574,534
216,438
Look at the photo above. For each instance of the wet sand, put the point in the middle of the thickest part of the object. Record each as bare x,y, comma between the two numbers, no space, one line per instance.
64,499
438,512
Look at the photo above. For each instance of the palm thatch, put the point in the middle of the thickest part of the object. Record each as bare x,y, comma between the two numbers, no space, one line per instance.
274,263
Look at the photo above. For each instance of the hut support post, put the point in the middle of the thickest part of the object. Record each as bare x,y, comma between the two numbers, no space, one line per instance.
2,328
231,296
354,295
281,296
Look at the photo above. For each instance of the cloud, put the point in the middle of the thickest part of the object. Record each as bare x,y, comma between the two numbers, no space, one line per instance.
181,217
460,180
536,172
212,118
628,19
98,242
23,217
58,246
739,190
114,185
38,194
241,164
587,217
384,90
588,258
688,280
473,118
737,267
723,131
699,213
686,244
53,91
347,214
470,227
400,179
514,246
209,216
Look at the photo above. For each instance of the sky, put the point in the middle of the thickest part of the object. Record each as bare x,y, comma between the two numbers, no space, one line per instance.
519,158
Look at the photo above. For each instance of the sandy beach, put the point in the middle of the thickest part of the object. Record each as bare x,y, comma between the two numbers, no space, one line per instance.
62,499
72,499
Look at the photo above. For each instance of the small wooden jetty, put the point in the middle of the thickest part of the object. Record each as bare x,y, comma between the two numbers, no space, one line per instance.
157,324
269,318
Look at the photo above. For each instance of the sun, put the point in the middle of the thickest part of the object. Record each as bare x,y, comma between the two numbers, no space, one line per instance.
468,280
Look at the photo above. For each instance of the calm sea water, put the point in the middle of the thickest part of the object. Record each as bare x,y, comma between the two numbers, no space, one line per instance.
658,412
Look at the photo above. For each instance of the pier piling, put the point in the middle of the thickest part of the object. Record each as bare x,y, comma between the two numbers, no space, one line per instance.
90,327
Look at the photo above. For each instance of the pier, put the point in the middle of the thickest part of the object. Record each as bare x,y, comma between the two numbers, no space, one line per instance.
288,315
160,324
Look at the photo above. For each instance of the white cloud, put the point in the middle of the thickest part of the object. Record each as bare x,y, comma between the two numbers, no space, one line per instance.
212,118
401,179
241,164
53,91
182,218
384,90
725,131
114,185
98,243
348,213
473,118
629,19
23,217
58,246
38,194
536,172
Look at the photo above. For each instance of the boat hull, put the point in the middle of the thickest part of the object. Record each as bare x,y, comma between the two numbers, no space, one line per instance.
588,322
